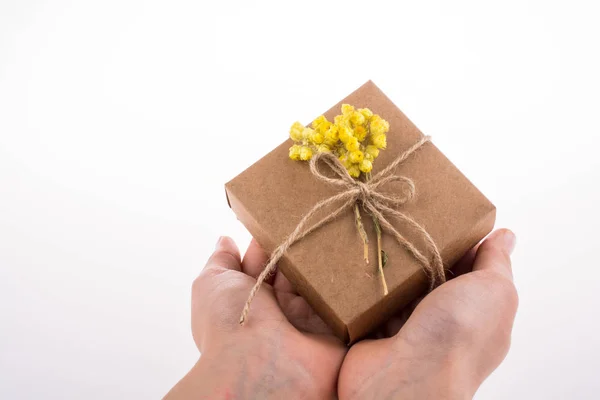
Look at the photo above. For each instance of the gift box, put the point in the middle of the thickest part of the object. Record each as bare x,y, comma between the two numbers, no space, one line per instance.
327,266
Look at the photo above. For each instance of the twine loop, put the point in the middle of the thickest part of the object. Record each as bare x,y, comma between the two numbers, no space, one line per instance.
377,203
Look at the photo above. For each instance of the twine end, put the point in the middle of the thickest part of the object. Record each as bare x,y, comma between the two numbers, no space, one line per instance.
242,320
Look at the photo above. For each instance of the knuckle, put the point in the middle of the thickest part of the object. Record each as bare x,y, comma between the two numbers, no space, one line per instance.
480,315
503,290
461,325
460,317
213,279
205,276
443,325
216,302
218,264
223,259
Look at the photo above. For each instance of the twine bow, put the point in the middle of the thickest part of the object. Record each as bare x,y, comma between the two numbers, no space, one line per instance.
380,205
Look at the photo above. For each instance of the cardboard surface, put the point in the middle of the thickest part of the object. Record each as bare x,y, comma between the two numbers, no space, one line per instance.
327,267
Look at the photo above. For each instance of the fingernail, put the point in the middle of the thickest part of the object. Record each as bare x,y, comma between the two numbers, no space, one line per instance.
218,242
510,240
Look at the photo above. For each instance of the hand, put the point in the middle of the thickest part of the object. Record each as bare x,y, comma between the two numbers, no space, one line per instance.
456,336
283,348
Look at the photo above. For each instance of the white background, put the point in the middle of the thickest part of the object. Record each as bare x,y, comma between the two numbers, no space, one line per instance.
120,121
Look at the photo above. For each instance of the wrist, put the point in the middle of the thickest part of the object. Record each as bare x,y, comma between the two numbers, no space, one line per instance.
440,375
251,369
411,373
433,379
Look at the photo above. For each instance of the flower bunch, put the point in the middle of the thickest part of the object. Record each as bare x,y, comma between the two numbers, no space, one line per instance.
355,137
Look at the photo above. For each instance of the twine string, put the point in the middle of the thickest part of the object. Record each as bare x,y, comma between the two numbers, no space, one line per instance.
381,205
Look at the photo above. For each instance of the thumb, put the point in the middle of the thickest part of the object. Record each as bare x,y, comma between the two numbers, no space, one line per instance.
225,256
494,253
215,289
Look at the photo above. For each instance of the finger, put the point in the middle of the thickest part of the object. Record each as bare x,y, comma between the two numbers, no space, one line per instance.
464,265
226,255
396,322
282,284
254,260
494,253
219,294
210,290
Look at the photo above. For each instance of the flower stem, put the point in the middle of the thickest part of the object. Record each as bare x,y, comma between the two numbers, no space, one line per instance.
379,249
380,255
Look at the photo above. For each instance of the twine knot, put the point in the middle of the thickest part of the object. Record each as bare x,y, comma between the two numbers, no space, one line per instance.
377,203
365,191
368,193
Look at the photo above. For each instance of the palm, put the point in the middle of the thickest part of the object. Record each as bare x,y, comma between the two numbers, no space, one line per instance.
292,305
473,312
299,313
311,341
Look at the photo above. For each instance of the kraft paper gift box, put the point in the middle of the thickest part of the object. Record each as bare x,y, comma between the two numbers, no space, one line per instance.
327,266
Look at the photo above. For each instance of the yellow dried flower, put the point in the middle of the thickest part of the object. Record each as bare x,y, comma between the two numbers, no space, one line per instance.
373,151
323,148
307,133
344,160
345,133
355,137
365,166
357,118
366,113
324,127
377,130
296,131
356,156
317,138
360,133
347,110
295,152
318,121
378,125
380,141
340,120
375,119
332,136
305,153
352,144
354,171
